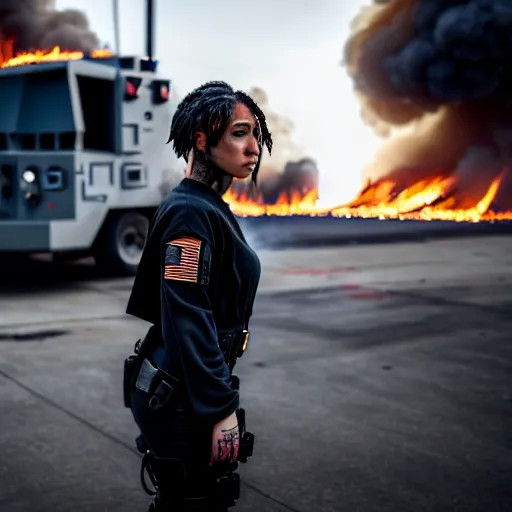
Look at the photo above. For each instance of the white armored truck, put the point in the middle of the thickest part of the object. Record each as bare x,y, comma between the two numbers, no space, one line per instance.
82,157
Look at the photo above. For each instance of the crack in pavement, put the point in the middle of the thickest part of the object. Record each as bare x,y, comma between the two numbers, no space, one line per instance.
114,439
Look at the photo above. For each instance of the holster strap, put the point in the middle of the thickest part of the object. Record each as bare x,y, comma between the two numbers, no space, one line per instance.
155,381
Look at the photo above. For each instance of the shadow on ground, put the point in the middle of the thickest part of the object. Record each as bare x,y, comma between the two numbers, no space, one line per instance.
26,274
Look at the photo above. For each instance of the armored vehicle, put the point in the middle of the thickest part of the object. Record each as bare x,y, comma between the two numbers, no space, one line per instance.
82,158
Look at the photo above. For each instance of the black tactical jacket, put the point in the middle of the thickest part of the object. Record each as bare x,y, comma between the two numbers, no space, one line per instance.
197,277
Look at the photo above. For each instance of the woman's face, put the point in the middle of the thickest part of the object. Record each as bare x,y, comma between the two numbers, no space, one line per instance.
237,151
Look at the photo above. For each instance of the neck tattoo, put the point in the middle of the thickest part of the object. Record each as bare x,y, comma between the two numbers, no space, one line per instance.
205,171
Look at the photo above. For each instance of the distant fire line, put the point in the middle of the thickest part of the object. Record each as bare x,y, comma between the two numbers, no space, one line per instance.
426,200
8,59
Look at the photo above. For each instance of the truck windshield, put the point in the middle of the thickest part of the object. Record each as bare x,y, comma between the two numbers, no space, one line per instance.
36,109
98,109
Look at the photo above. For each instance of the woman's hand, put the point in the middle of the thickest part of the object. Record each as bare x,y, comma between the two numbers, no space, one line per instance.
225,441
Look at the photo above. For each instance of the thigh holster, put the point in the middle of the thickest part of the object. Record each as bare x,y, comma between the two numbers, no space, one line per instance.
246,447
171,483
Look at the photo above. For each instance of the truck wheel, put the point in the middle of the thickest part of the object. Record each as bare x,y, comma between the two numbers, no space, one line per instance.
119,249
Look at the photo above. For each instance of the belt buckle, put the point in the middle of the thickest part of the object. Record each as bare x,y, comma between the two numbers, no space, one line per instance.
244,340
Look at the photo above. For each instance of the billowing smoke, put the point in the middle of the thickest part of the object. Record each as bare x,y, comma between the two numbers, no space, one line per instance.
36,25
435,78
289,169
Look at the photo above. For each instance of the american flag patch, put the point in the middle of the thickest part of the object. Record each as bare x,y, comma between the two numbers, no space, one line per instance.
182,260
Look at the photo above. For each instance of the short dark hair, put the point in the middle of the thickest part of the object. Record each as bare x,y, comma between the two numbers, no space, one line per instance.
209,109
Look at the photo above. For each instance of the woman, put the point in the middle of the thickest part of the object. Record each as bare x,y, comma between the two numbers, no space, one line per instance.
196,284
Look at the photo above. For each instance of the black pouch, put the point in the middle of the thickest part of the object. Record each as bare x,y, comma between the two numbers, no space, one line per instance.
130,368
131,365
163,393
246,448
133,362
157,383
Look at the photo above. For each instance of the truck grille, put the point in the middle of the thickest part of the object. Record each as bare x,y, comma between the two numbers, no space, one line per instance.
7,196
61,141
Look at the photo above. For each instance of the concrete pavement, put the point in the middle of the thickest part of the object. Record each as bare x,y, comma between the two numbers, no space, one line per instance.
378,379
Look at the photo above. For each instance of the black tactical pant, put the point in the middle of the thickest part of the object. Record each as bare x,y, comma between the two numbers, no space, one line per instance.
179,458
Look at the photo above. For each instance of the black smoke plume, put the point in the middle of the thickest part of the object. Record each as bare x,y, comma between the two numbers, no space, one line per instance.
435,78
36,25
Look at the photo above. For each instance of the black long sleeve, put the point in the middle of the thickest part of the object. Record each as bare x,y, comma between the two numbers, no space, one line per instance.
188,325
197,277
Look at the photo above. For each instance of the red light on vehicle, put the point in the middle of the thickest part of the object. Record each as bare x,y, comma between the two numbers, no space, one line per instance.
161,91
131,91
164,92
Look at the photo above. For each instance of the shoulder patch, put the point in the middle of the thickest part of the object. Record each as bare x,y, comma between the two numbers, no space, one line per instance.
187,259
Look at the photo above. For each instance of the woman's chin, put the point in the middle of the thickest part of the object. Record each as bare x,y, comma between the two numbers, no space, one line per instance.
242,174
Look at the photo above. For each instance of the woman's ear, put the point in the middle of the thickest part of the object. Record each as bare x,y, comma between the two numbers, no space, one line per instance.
200,138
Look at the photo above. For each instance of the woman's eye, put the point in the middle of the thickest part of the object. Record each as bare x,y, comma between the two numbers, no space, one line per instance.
239,133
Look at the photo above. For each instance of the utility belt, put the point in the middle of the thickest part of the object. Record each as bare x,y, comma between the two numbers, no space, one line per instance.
233,345
141,373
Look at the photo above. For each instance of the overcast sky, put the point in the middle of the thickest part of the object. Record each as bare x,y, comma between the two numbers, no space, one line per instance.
291,48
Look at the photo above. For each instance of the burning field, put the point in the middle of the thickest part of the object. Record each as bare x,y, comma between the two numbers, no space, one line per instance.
434,80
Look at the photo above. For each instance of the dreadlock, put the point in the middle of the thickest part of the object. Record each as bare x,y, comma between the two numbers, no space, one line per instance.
209,109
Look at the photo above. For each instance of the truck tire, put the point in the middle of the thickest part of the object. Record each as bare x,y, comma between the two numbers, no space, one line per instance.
119,247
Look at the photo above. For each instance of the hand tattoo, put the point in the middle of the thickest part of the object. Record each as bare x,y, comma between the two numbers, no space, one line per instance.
228,445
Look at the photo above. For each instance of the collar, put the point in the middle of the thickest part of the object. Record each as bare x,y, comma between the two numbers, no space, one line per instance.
204,189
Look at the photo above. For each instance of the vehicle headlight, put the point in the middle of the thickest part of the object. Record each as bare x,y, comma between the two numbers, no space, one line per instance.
29,176
30,187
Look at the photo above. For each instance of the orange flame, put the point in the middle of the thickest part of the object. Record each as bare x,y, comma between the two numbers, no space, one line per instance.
8,59
429,199
286,204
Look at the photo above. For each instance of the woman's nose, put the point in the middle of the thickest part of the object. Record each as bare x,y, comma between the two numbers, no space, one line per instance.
253,147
